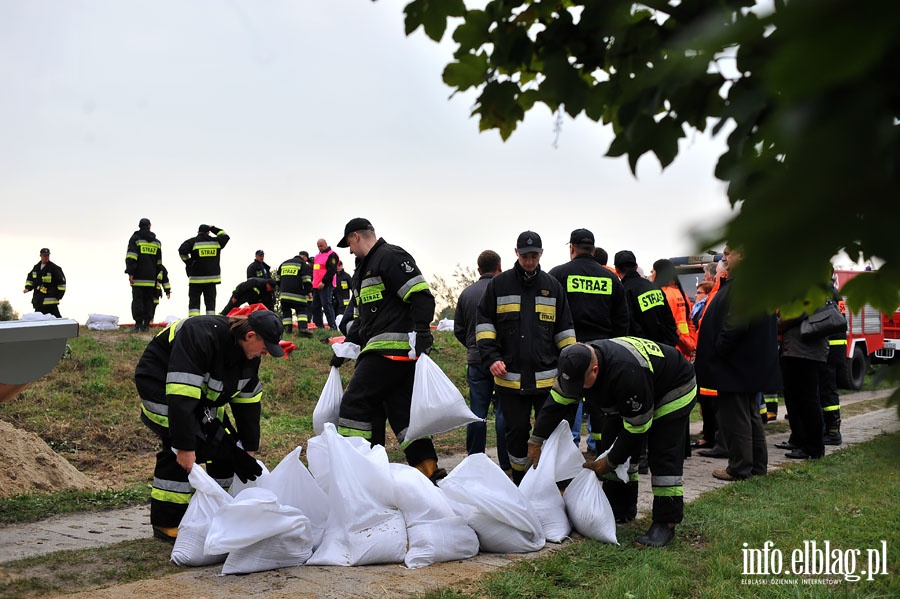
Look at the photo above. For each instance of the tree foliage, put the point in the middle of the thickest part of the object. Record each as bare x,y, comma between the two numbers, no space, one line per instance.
805,90
7,312
446,293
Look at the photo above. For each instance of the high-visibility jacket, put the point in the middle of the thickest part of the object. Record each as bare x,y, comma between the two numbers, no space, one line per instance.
48,284
649,312
203,369
341,284
324,267
681,310
294,278
525,322
201,255
391,299
143,258
259,269
596,298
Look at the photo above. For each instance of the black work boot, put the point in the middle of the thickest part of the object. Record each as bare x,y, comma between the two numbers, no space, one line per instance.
658,535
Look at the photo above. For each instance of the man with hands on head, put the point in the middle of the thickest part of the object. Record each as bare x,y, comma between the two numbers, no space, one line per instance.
650,388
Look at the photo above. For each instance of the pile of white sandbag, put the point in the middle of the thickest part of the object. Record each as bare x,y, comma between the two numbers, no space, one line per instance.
352,507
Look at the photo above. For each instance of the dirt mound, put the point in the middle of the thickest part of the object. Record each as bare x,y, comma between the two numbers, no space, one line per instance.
29,465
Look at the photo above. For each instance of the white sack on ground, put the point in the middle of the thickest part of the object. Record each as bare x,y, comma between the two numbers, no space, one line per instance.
436,533
320,461
328,408
501,516
284,550
102,322
437,406
589,509
445,324
558,454
364,524
252,516
206,501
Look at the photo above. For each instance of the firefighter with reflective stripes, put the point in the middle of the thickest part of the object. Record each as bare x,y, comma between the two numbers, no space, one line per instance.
294,278
652,389
143,262
391,299
523,321
48,283
201,255
187,375
828,392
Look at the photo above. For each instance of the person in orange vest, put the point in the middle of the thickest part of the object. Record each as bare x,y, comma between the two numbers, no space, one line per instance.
324,269
663,274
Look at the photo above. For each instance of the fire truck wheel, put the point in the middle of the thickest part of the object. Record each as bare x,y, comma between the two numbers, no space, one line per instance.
858,367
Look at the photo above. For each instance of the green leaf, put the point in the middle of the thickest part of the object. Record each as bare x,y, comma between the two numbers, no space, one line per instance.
432,16
468,71
473,32
499,108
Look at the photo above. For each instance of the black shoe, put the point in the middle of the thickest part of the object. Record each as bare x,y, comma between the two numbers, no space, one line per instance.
785,445
833,439
797,454
713,453
136,328
437,475
166,534
658,535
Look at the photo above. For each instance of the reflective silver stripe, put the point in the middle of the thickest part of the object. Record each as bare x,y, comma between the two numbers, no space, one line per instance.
156,408
511,376
242,383
481,328
506,300
666,481
370,282
224,482
401,436
215,384
172,485
401,293
352,323
185,378
640,419
518,461
677,393
546,301
543,375
562,335
206,244
355,424
390,337
634,352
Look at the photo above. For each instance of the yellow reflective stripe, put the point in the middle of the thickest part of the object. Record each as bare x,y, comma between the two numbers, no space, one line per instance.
485,335
831,408
501,309
565,341
561,399
170,496
255,399
676,404
638,430
354,432
182,389
837,342
507,384
156,418
391,345
544,383
415,289
677,491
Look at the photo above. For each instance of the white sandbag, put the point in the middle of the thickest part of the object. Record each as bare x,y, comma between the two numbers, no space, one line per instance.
284,550
437,406
436,533
346,350
589,509
254,515
320,461
294,486
102,322
37,316
445,324
539,484
328,408
206,501
364,525
502,517
621,469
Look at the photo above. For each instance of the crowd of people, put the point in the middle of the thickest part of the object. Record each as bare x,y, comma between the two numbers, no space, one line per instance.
583,341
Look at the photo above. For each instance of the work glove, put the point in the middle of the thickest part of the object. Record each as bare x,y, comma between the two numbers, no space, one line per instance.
424,341
336,361
600,466
245,465
534,455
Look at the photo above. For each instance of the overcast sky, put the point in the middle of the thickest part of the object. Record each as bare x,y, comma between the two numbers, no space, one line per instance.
278,121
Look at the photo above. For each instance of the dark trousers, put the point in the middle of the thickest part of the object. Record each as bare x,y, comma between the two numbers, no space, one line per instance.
52,309
381,389
708,409
142,307
481,395
517,410
741,423
801,398
300,309
322,302
828,391
208,291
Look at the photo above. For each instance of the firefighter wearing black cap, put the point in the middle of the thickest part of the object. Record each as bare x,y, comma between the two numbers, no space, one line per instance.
186,377
522,322
652,389
650,315
201,255
294,277
258,268
391,299
48,283
143,262
252,291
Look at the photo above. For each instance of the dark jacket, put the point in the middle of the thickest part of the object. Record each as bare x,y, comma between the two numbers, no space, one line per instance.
294,278
196,364
636,378
201,255
143,258
793,345
525,322
48,284
259,269
341,291
465,315
650,315
736,355
596,298
390,299
253,291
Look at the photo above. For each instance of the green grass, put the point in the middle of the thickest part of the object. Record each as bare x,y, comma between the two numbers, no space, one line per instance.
31,507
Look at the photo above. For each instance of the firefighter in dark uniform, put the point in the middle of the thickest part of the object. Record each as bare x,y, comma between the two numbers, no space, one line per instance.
258,268
341,295
391,299
522,322
143,260
294,278
652,389
48,283
163,287
186,377
828,392
252,291
201,255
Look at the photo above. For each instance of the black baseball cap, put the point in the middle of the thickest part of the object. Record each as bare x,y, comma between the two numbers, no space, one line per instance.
581,237
260,253
144,222
355,224
574,361
45,251
203,228
624,258
267,325
529,242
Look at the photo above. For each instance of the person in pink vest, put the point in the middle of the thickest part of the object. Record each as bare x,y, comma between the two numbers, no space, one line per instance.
324,269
